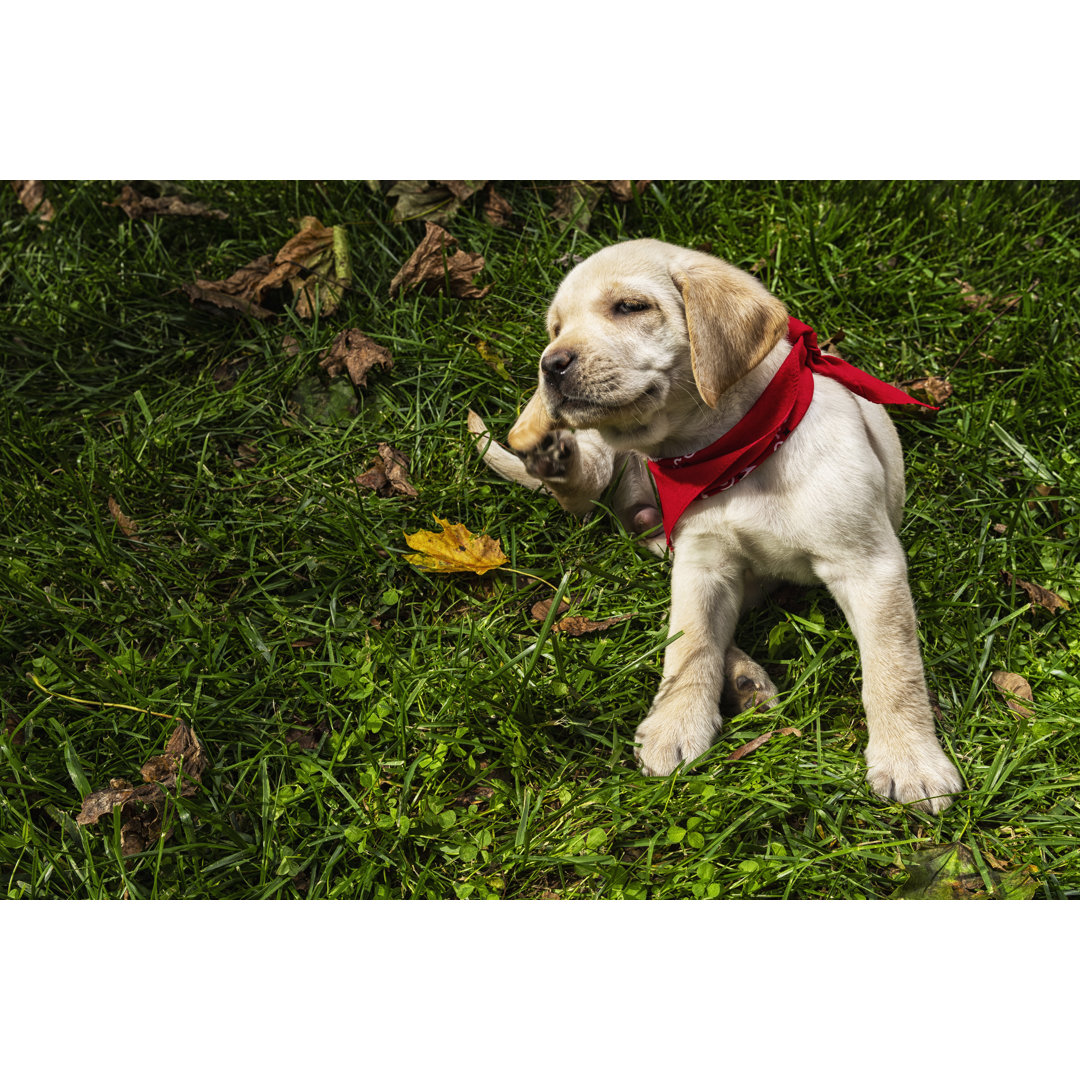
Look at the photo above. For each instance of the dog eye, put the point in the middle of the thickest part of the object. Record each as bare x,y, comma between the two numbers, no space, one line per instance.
628,307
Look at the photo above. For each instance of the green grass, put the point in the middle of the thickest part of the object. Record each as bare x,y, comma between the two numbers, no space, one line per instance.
463,751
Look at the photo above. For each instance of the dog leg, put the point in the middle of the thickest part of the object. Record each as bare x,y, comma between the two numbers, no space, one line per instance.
904,758
685,717
635,505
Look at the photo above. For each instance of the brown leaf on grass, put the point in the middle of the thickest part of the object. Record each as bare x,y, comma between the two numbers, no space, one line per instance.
247,454
540,609
1014,688
142,807
454,550
388,474
575,202
497,209
933,389
431,200
834,339
238,292
576,625
1038,596
314,265
753,744
32,195
127,526
356,354
431,269
136,206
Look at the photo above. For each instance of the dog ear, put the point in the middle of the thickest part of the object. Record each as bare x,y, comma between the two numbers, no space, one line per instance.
733,322
531,426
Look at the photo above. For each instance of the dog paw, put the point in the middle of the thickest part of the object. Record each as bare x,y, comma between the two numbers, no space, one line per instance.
552,457
920,776
663,745
747,686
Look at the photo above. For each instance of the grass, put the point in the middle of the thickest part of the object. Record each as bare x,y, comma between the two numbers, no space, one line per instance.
453,747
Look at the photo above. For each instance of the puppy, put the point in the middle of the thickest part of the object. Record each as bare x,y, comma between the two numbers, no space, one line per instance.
772,461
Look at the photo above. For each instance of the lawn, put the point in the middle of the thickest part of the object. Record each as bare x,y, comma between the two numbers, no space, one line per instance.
184,538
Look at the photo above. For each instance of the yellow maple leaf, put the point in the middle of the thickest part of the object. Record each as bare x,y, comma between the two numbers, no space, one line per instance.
455,550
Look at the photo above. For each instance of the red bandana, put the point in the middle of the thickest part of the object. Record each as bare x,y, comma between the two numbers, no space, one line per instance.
763,430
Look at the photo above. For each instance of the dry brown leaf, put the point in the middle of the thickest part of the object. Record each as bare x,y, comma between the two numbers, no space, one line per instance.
313,264
431,200
753,744
389,474
540,609
138,206
574,203
1038,596
127,526
455,550
431,269
356,354
933,389
247,454
32,195
1014,688
141,807
576,625
238,292
497,209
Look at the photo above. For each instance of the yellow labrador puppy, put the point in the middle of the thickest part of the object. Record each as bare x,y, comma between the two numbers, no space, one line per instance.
771,460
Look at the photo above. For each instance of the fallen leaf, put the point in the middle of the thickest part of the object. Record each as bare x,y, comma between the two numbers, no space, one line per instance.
356,354
1038,596
540,609
933,389
574,204
454,550
247,454
136,206
497,209
183,750
1000,528
576,625
314,264
238,292
1014,687
389,475
949,872
127,526
832,340
142,807
431,200
753,744
32,195
432,270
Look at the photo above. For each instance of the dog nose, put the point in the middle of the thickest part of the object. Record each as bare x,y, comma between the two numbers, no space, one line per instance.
555,363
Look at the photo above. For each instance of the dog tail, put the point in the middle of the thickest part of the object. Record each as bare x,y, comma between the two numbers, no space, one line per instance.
497,457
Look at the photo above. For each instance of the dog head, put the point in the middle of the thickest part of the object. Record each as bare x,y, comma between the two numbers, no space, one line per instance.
643,333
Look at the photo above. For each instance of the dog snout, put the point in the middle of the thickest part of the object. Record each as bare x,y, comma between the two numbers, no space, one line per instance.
556,363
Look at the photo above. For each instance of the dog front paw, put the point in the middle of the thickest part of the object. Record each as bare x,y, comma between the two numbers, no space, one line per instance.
664,744
552,457
919,775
